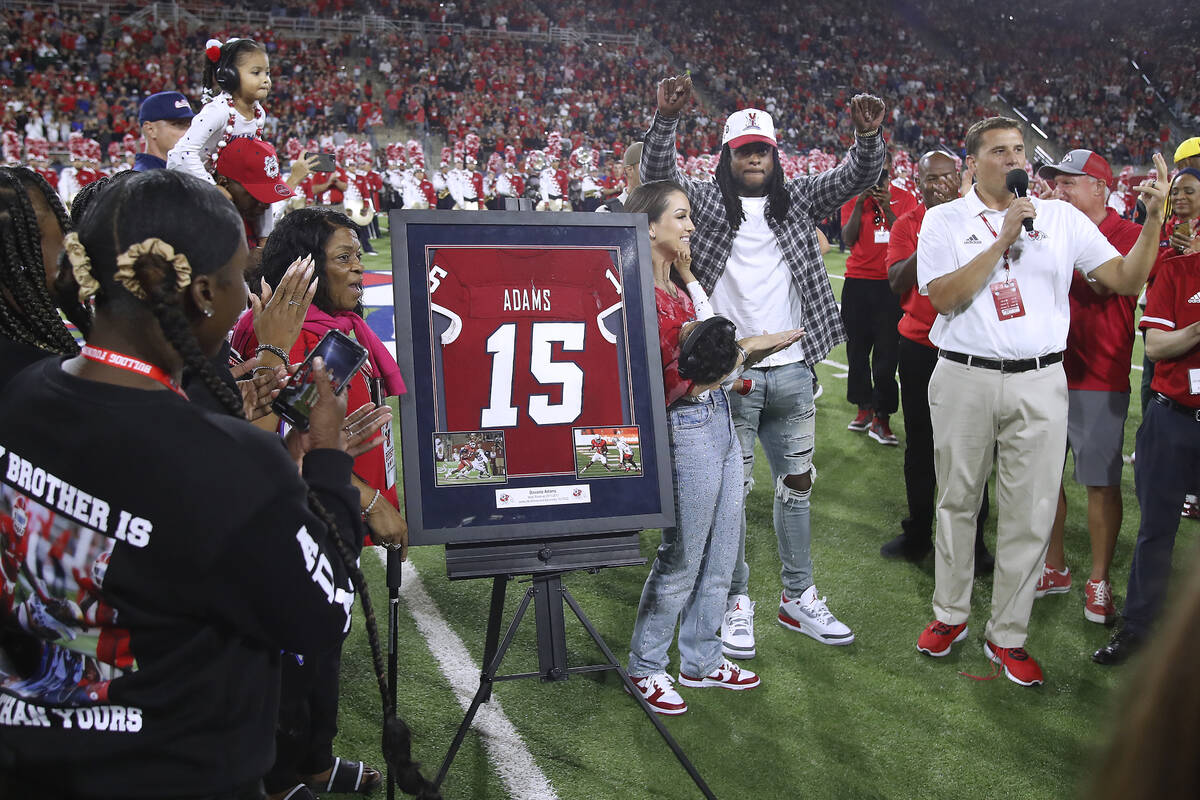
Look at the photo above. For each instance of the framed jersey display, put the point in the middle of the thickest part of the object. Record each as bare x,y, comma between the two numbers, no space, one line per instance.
536,402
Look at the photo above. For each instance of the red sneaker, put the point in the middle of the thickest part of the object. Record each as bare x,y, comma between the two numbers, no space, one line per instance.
1019,666
726,676
881,432
862,421
660,693
1053,581
936,639
1098,603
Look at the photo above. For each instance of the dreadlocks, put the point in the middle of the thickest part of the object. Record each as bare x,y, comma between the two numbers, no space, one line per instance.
778,201
27,313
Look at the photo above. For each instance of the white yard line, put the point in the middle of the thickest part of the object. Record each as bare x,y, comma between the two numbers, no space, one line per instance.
512,761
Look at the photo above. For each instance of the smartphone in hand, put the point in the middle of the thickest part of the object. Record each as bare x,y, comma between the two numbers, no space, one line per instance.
325,163
343,357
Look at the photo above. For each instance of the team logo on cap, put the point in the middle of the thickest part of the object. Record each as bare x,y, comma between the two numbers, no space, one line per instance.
1067,159
752,120
181,104
271,166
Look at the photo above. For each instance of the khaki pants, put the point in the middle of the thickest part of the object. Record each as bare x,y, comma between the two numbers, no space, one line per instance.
1019,422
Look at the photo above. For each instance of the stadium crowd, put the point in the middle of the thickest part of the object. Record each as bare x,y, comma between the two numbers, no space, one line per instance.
993,323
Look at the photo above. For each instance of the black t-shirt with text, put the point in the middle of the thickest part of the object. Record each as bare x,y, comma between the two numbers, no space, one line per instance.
156,559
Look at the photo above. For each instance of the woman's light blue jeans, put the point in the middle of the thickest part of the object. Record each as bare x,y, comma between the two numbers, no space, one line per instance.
690,577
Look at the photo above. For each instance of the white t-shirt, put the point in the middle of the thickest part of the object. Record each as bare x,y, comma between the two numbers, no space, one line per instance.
756,291
1063,240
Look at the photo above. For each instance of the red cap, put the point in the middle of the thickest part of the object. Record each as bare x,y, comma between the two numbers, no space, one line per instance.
1080,162
255,165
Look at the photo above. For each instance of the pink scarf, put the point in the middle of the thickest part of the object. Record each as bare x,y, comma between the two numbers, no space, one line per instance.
383,365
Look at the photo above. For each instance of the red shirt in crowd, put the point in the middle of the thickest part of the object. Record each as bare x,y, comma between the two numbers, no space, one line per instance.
868,256
919,313
333,194
1100,340
1174,303
673,312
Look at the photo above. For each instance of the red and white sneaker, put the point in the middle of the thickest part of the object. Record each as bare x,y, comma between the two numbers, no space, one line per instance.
1191,507
659,691
1053,581
726,676
881,432
936,639
1098,603
862,421
1018,665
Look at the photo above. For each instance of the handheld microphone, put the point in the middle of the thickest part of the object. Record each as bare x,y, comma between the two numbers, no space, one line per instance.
1017,181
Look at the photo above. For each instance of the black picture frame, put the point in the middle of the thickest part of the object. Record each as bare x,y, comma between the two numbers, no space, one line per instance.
471,513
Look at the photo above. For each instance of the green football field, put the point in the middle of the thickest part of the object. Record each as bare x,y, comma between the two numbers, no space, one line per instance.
871,720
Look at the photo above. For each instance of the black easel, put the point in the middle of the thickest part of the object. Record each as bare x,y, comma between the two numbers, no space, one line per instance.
394,566
548,595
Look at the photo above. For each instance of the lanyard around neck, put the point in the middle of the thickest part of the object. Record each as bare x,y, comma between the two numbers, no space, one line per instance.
992,231
131,364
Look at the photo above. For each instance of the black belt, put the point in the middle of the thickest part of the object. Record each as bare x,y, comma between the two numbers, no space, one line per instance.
1002,364
1187,411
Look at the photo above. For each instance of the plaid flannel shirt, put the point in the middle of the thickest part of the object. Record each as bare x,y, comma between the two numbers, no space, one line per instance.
813,198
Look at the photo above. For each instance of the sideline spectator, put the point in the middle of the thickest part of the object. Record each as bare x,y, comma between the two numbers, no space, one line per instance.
241,70
164,118
755,252
938,182
870,310
309,703
1168,447
195,616
1096,361
998,392
633,179
32,224
248,171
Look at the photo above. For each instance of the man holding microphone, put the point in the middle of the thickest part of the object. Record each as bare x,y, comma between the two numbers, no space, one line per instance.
997,267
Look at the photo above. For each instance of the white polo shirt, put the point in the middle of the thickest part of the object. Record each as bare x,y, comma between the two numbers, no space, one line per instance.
1041,263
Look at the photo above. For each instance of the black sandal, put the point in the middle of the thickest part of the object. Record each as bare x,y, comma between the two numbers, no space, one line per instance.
349,776
300,792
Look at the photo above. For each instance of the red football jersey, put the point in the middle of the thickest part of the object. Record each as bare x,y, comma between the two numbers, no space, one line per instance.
527,350
599,445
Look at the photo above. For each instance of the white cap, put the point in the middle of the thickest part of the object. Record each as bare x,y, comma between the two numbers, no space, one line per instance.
749,125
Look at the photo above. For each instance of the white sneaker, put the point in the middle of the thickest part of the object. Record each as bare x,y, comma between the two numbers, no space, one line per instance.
659,691
809,615
737,630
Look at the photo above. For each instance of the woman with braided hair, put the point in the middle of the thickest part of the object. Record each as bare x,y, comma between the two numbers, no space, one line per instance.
144,660
32,224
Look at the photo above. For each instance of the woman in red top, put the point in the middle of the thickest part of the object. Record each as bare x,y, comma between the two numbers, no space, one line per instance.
689,580
309,696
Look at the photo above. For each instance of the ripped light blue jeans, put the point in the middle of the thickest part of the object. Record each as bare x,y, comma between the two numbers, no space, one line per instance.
779,411
690,576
